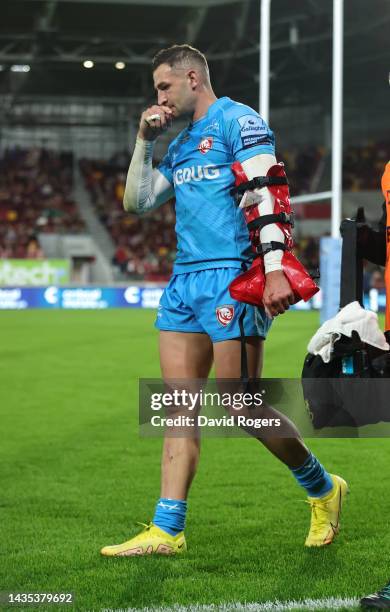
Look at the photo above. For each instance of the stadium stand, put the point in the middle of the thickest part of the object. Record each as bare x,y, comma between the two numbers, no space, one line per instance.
35,197
307,250
301,167
364,164
145,246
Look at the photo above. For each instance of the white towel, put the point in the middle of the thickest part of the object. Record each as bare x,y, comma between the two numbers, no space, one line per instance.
351,317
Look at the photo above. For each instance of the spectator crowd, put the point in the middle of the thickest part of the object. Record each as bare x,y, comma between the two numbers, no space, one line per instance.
145,246
35,197
301,166
363,165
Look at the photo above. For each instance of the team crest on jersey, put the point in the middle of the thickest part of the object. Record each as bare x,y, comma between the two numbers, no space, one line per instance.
205,145
225,314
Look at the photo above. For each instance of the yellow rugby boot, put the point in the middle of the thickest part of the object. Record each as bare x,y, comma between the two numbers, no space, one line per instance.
325,514
151,541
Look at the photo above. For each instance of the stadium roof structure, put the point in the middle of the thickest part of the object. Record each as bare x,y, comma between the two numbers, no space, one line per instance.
55,37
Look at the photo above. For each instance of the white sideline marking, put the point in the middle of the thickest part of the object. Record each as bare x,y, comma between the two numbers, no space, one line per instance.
328,603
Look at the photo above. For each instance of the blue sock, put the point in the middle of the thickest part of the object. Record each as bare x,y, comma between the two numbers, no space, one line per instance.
170,515
313,477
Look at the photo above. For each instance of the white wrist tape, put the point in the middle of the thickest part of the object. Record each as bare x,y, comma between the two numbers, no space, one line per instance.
151,118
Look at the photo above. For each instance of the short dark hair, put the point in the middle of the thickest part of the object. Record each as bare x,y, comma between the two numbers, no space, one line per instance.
180,54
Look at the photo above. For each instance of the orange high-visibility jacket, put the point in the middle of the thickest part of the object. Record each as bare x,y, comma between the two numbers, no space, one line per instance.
386,195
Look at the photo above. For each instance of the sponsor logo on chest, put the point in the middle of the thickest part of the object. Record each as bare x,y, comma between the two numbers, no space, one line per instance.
195,174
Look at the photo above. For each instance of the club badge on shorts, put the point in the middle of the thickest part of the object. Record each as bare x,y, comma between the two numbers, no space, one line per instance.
205,145
225,314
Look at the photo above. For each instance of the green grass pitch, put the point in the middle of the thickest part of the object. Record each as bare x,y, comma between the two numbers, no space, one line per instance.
76,476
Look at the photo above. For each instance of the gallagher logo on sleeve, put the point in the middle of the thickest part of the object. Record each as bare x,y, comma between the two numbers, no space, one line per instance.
225,314
205,145
253,130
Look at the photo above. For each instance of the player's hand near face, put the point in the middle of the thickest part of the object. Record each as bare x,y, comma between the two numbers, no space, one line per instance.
278,295
154,121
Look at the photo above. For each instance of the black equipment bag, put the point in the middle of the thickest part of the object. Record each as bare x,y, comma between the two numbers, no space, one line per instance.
353,389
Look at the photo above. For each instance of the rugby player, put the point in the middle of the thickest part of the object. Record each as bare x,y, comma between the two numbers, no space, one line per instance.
198,320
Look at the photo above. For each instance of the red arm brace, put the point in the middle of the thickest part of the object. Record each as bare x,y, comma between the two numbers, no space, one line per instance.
249,286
